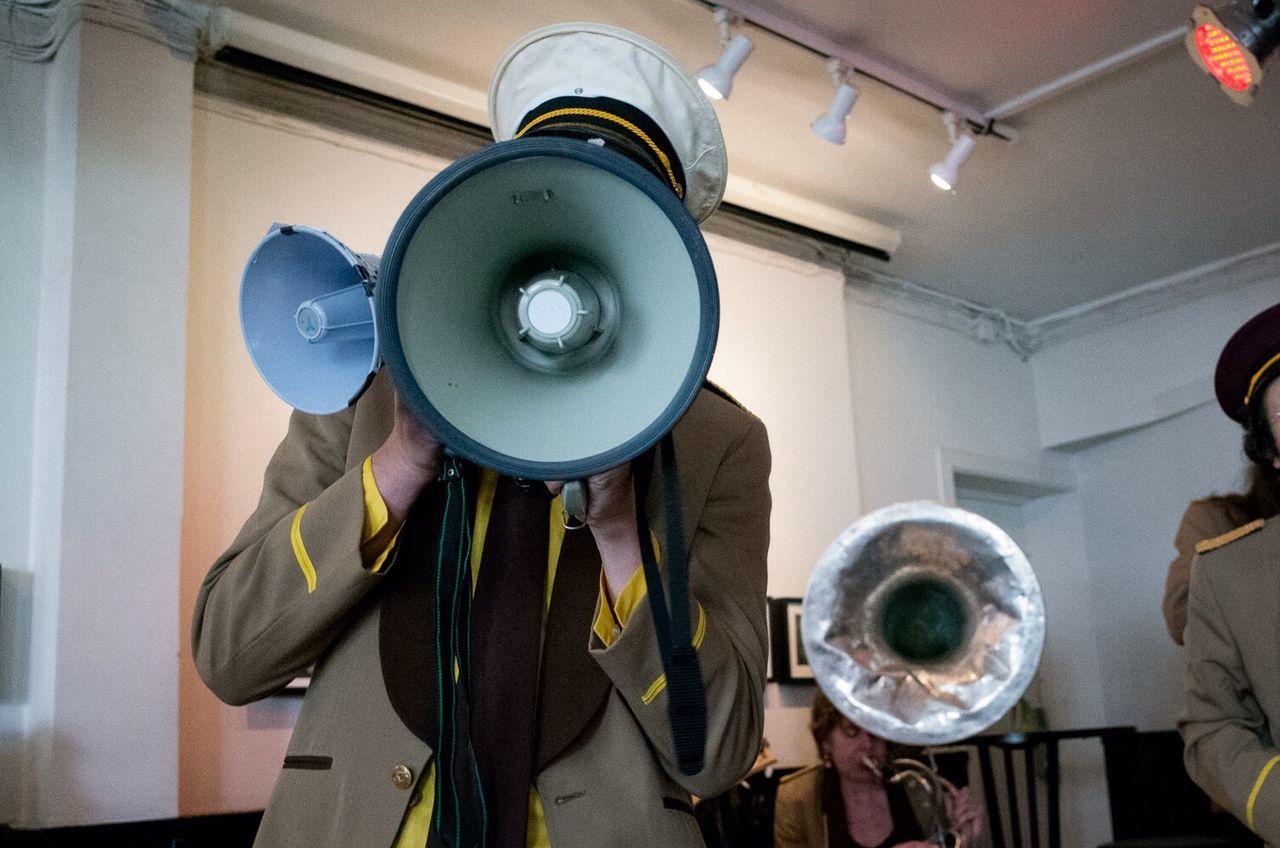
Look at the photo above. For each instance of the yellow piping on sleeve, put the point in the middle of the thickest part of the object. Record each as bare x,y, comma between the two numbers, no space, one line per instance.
300,550
655,689
1257,787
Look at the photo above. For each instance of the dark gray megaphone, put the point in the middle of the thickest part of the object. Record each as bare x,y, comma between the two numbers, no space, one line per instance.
547,308
308,318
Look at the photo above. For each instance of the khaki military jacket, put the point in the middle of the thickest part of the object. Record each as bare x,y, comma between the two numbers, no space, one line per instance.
354,759
1232,688
1204,519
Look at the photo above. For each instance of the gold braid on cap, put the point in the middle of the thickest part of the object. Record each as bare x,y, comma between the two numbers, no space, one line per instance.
1253,383
631,128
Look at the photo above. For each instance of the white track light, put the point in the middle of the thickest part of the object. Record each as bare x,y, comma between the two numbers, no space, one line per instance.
716,80
831,124
946,174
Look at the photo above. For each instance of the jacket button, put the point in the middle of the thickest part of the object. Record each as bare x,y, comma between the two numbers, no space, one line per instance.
402,777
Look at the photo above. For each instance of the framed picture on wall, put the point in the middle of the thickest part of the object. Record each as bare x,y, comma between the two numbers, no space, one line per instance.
786,645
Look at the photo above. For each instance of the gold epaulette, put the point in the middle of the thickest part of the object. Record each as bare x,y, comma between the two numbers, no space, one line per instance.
1206,545
787,778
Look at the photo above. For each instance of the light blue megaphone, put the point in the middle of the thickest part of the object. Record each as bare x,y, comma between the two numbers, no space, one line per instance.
308,318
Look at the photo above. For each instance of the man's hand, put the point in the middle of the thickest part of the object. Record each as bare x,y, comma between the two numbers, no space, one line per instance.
611,515
405,463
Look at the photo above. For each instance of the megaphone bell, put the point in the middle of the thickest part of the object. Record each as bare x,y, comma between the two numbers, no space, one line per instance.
307,315
547,308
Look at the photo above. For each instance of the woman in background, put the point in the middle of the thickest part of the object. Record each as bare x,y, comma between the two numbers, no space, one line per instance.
1209,518
847,801
1231,698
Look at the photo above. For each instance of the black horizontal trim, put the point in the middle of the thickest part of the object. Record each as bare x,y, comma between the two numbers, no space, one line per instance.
308,761
751,216
278,88
291,73
223,830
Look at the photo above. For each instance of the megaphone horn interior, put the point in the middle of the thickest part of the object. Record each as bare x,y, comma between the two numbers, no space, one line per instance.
308,318
548,308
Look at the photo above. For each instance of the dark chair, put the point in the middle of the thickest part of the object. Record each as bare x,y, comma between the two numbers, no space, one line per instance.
1020,781
1155,804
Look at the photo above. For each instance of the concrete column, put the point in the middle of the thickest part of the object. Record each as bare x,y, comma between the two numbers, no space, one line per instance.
93,437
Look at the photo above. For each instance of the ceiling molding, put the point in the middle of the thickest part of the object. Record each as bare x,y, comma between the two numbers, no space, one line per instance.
984,324
988,325
1244,269
34,30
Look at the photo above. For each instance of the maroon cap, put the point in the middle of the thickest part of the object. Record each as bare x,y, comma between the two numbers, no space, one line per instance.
1251,354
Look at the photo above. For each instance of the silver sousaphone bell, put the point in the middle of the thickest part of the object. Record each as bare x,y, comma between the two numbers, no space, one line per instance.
923,623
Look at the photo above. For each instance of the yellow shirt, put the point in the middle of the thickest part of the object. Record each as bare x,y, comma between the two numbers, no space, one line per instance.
375,549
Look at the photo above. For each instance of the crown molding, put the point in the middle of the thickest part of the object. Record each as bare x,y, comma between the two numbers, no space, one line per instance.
1259,265
984,324
990,325
34,30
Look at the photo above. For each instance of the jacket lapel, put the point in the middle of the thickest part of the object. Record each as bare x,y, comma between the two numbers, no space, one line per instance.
573,687
406,623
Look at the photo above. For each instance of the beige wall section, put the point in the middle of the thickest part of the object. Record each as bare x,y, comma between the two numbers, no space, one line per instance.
245,176
782,352
780,319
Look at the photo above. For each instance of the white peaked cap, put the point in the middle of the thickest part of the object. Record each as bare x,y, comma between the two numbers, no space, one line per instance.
587,60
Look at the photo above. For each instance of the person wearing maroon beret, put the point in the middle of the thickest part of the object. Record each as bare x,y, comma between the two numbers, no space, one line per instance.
1247,366
1231,697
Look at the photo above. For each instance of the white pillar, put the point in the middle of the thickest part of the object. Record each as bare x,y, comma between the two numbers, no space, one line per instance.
93,437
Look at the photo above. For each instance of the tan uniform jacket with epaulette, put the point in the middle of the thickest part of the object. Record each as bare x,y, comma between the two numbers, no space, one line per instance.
1232,688
353,759
1203,519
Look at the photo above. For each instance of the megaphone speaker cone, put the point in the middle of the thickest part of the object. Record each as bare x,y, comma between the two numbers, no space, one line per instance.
548,308
308,318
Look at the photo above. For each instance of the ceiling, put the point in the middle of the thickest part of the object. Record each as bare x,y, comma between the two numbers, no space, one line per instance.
1129,177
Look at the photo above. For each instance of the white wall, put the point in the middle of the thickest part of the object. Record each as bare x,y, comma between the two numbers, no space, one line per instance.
922,395
24,90
97,499
246,176
779,318
921,392
1135,400
1140,371
917,388
1134,489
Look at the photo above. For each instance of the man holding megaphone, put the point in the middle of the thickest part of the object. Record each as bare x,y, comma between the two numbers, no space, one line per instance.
497,664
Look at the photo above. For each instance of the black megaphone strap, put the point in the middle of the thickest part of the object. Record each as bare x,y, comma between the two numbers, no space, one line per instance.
686,695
